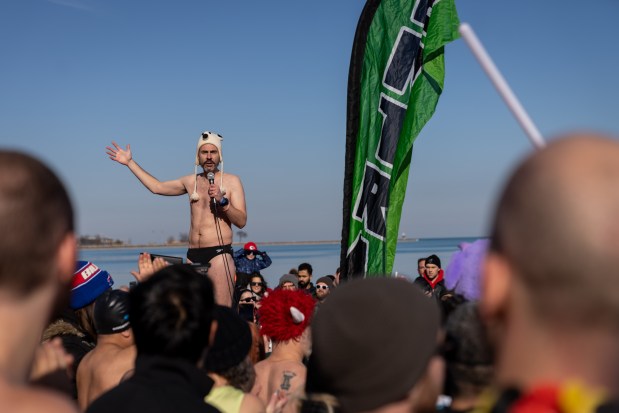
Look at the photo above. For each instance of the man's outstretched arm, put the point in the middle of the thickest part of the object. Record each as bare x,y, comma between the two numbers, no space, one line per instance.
124,157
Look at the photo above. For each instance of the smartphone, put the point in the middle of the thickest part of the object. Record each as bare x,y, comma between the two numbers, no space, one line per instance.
170,259
246,312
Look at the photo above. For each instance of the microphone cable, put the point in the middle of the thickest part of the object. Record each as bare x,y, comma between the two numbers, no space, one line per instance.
220,240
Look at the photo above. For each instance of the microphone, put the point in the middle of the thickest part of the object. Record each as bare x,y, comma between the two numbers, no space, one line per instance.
211,180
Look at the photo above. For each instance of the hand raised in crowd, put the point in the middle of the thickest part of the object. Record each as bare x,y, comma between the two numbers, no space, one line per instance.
118,154
49,357
147,266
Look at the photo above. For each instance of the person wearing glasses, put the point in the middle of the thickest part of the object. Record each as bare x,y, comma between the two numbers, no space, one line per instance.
217,202
247,306
324,285
258,286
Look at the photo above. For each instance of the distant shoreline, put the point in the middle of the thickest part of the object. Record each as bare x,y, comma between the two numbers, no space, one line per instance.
91,247
178,244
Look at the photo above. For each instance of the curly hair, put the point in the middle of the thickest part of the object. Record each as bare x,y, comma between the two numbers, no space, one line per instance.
242,376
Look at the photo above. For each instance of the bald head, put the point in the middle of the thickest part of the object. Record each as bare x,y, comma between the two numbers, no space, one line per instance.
557,224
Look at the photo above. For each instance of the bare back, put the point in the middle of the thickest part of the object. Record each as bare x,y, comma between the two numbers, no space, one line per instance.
101,370
284,375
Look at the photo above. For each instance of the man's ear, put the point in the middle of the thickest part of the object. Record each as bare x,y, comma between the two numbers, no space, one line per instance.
496,281
211,338
66,257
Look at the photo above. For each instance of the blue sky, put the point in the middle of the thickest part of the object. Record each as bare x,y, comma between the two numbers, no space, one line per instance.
271,78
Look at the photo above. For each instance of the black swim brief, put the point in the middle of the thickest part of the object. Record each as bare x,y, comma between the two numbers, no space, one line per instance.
204,255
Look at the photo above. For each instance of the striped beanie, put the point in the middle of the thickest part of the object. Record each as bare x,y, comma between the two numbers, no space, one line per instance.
88,283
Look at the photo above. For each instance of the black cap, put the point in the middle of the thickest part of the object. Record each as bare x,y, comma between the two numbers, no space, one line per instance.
232,341
111,312
433,259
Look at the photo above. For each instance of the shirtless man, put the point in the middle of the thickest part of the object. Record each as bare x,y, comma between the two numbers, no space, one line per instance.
214,208
285,317
114,356
37,260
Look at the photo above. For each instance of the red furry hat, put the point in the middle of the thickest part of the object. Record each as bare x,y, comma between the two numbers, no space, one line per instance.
285,314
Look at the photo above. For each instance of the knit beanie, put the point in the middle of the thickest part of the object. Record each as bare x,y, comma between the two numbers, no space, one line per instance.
288,278
367,356
213,139
232,341
325,280
433,259
111,313
88,283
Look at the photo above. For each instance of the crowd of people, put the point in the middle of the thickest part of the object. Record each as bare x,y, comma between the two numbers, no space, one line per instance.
526,321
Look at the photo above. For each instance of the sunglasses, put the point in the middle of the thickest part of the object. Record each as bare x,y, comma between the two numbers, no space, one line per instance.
323,287
248,300
249,252
256,284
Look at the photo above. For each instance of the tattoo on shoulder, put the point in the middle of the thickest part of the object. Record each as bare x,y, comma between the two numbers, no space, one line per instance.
288,375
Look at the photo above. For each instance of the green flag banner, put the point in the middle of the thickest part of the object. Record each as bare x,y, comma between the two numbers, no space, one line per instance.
395,79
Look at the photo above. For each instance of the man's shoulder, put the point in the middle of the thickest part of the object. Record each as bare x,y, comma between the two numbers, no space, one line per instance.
252,403
102,352
188,178
232,180
261,365
110,358
231,176
287,365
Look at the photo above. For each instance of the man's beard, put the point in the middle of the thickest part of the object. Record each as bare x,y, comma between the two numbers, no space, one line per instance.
303,284
209,167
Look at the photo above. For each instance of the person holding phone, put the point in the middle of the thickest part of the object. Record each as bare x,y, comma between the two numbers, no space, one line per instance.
247,306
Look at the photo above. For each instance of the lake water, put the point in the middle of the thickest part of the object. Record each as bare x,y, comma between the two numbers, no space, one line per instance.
324,258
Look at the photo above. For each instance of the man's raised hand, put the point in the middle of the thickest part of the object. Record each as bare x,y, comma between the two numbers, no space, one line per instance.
118,154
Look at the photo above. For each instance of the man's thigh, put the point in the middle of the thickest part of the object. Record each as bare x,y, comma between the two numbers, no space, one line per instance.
221,272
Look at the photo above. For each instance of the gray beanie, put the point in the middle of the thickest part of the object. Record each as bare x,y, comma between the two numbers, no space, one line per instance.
289,278
367,356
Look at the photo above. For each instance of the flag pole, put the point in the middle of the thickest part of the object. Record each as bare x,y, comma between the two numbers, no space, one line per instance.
501,85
